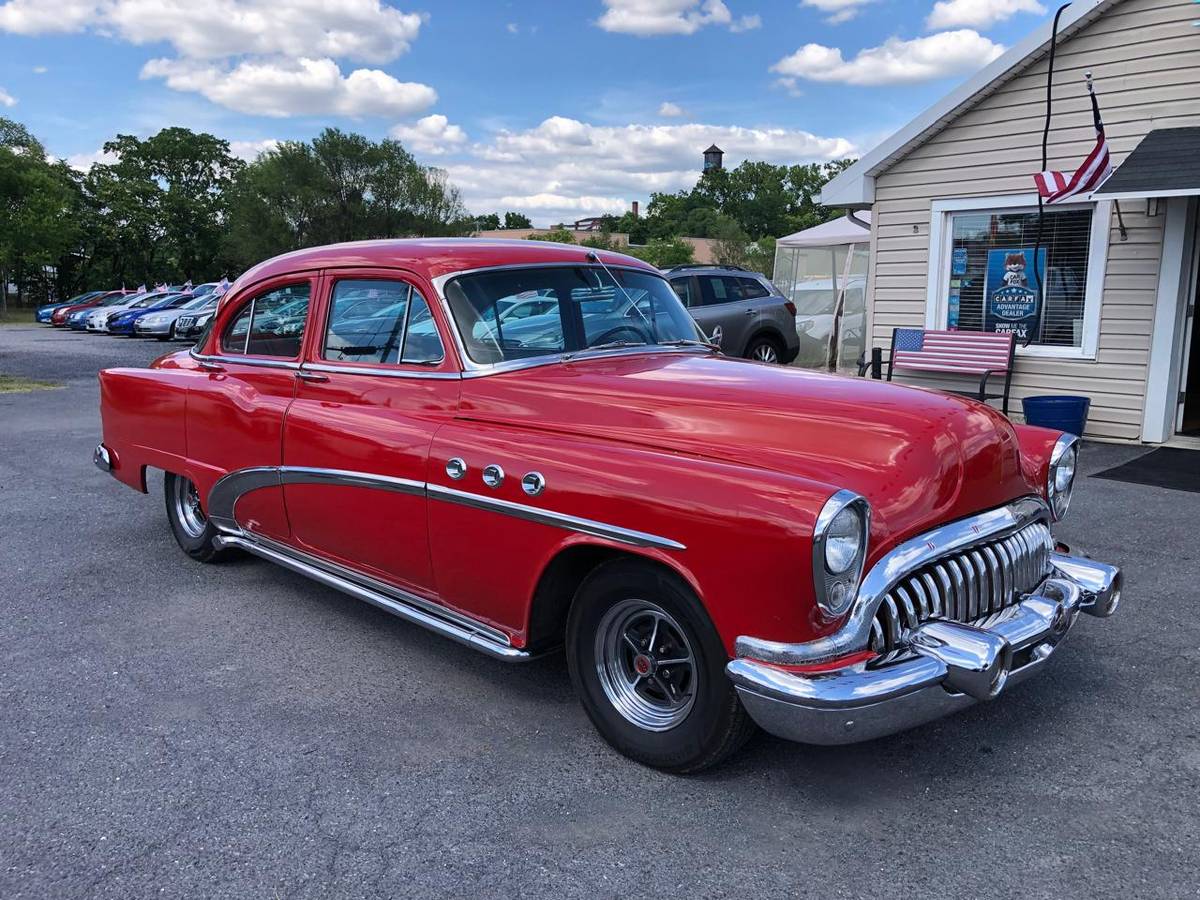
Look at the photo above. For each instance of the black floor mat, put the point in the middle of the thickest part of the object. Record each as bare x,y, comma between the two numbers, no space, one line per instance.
1167,467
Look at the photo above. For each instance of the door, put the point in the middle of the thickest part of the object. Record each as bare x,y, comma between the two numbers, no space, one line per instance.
375,386
235,412
722,306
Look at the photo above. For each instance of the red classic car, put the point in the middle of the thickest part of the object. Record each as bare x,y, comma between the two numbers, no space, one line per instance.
525,446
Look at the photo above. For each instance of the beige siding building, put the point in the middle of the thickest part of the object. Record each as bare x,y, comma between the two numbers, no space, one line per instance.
952,195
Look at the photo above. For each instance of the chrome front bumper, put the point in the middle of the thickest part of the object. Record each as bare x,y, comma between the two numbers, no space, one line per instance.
948,666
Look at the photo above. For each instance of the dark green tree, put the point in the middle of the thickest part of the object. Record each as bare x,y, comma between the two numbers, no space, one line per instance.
516,220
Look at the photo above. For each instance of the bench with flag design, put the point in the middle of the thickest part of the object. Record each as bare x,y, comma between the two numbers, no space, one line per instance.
951,353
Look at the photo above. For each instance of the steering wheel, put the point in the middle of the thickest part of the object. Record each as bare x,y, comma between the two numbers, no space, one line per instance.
607,336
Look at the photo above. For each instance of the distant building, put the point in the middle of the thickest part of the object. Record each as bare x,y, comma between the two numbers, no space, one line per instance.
712,158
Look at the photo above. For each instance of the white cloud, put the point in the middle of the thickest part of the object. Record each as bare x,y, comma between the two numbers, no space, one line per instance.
669,110
366,30
512,27
7,99
564,169
41,17
281,87
251,150
646,18
84,161
838,10
433,135
40,70
978,13
895,61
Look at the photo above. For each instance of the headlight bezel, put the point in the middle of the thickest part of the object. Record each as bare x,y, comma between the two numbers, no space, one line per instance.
835,591
1065,452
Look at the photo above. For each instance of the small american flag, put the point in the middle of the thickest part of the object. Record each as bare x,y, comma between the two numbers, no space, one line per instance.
1055,187
951,351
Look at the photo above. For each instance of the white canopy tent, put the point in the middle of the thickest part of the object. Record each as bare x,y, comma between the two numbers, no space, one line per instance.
823,271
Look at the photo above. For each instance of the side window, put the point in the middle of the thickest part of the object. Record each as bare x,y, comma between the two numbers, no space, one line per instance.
379,321
752,289
716,289
683,288
271,324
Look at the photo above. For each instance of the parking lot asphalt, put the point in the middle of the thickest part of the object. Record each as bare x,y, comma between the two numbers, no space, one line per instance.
174,729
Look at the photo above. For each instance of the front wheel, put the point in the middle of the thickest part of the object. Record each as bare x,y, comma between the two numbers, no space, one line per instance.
193,532
649,668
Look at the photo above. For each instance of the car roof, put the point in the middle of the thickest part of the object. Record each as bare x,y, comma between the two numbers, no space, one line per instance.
710,267
433,257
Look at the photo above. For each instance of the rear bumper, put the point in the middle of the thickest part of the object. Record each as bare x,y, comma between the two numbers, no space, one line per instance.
948,667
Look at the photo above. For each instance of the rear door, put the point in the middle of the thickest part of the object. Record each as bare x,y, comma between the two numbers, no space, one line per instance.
375,386
235,412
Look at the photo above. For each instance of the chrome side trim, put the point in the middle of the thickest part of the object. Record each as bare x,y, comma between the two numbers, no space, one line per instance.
382,371
101,458
225,493
399,603
244,360
909,556
557,520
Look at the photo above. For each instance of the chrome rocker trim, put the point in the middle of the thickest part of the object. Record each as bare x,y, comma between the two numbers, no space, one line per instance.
948,666
402,604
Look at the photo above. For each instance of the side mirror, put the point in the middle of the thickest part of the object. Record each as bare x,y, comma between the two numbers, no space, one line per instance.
716,336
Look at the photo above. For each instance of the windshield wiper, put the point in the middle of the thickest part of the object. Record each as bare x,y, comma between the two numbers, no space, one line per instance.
690,342
610,345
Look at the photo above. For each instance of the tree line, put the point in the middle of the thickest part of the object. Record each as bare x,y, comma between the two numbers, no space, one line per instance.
180,206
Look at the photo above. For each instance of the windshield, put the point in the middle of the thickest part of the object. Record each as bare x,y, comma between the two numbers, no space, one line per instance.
200,302
507,314
114,300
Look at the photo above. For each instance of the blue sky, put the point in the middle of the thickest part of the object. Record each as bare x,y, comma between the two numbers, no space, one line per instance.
558,109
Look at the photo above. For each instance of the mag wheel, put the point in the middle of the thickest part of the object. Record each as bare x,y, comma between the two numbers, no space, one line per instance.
193,532
649,668
763,350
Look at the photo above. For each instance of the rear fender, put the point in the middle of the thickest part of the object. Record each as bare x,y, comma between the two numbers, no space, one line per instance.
142,413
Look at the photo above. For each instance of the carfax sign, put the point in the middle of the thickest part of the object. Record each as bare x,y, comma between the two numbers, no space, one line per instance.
1010,290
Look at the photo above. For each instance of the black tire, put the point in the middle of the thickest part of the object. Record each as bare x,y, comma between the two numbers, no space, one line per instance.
763,346
196,541
714,725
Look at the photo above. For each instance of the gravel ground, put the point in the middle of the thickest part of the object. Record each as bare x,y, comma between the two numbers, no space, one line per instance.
169,728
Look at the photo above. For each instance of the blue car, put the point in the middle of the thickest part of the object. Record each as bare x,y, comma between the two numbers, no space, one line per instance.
122,321
77,321
44,313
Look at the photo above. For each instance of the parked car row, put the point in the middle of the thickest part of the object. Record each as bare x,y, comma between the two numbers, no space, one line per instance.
170,313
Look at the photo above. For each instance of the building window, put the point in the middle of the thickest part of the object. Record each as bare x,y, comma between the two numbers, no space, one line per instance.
991,280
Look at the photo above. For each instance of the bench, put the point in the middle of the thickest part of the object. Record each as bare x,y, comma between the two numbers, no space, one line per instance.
948,353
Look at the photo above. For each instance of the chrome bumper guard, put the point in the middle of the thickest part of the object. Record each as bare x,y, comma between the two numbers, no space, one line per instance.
949,665
102,458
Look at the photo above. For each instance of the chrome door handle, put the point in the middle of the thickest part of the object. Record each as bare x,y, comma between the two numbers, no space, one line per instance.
211,366
314,377
751,312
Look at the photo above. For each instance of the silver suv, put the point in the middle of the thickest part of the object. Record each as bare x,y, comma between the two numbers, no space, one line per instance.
740,311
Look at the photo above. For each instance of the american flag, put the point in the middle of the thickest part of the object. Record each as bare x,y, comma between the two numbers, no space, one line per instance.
1058,186
951,351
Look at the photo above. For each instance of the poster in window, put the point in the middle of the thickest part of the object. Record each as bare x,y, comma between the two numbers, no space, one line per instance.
1012,303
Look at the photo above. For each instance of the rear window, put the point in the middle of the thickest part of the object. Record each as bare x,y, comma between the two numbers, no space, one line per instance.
272,324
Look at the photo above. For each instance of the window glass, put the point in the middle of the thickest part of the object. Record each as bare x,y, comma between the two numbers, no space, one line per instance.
683,288
272,324
752,289
717,289
992,280
520,313
380,321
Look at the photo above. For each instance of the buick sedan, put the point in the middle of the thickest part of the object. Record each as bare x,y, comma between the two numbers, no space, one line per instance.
715,543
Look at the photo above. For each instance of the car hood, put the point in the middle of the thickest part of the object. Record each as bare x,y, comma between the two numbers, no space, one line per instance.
919,457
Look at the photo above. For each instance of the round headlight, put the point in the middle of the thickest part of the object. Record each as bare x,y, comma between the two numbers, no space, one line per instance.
843,540
1060,479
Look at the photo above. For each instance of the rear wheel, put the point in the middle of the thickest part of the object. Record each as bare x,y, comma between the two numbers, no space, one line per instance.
193,532
765,349
649,668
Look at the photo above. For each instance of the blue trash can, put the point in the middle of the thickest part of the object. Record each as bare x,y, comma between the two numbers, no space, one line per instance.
1064,413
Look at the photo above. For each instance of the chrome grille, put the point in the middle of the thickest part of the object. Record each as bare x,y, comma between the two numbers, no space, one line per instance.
965,586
